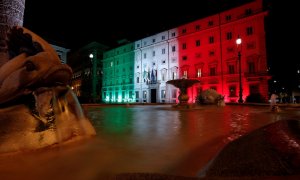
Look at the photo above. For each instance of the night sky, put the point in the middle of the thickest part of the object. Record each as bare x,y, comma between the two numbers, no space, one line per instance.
75,25
81,22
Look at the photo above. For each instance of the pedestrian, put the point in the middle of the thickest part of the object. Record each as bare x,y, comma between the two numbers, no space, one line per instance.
274,107
273,99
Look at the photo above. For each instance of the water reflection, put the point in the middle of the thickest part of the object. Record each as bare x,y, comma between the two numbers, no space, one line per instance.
146,139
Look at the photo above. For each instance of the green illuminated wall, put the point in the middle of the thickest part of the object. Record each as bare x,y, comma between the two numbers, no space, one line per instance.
118,74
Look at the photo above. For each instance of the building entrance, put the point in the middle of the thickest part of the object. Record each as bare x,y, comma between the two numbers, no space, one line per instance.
153,95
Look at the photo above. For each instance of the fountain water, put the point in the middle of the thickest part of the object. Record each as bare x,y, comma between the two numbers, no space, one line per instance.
183,85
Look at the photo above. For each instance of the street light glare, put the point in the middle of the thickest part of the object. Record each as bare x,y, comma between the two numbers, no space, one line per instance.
238,41
91,55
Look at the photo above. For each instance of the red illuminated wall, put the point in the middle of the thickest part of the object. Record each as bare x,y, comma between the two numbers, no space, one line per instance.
209,44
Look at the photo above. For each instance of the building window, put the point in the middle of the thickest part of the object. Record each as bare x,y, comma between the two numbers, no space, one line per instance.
212,71
174,75
198,55
185,74
251,67
163,62
228,17
137,67
153,53
137,79
199,73
145,43
197,27
248,12
173,60
184,46
173,34
229,35
197,42
163,51
174,93
184,58
163,76
230,49
231,69
163,38
183,31
173,49
251,45
249,31
137,94
163,94
145,55
232,91
211,53
210,23
138,45
145,95
153,40
211,39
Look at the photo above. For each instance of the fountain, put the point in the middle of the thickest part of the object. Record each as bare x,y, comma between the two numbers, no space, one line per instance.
183,84
37,108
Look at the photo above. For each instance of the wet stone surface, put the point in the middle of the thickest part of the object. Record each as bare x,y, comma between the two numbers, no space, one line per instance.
161,140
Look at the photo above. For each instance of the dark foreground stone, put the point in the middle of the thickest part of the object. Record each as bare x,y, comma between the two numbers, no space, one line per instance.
150,176
270,151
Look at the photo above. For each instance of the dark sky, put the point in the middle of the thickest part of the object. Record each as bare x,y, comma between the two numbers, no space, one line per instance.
81,22
74,24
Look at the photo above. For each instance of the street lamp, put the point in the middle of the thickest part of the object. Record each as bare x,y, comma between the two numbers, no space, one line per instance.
93,76
238,43
91,56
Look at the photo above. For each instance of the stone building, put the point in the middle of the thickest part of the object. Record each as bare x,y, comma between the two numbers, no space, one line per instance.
204,49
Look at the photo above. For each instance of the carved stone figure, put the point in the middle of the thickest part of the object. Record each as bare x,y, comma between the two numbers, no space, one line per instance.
37,109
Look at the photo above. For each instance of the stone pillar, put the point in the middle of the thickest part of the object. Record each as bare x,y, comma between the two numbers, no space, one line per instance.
11,14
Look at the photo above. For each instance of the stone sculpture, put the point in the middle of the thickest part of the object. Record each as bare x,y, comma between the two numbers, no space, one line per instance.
37,109
210,96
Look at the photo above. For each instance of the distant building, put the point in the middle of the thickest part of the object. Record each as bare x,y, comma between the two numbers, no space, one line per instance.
61,52
205,49
87,72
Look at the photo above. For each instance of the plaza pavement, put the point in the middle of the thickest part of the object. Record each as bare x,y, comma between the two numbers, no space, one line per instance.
270,152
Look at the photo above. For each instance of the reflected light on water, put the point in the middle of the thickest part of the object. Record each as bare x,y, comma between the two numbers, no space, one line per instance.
144,138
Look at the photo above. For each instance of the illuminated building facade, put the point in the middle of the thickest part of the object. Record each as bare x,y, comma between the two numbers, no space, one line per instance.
205,49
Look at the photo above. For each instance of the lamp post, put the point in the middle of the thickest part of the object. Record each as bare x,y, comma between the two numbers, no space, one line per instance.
93,77
238,43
